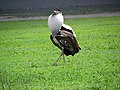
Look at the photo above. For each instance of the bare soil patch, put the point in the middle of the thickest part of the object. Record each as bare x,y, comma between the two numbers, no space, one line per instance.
13,18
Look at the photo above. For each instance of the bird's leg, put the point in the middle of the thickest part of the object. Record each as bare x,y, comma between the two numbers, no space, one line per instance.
64,58
62,54
58,58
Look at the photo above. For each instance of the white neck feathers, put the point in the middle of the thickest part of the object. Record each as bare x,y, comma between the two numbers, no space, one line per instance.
55,21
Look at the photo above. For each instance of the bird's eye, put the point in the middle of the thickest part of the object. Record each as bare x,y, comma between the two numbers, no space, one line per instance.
58,9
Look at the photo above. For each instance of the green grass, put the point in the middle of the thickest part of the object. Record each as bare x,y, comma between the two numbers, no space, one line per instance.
27,55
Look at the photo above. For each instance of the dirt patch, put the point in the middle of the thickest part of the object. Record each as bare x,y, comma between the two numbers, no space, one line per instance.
12,18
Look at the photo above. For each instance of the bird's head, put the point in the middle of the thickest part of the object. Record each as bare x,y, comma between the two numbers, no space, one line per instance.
56,11
55,21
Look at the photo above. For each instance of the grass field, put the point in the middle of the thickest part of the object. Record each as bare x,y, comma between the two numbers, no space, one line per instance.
27,55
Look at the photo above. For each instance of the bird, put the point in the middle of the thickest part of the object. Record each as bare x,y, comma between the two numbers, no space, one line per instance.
62,35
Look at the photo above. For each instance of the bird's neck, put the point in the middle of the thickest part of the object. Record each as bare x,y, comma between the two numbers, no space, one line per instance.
55,32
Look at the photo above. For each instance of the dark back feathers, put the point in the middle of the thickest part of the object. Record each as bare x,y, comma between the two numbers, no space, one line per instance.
68,41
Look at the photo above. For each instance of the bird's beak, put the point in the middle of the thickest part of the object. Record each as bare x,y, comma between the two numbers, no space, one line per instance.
55,12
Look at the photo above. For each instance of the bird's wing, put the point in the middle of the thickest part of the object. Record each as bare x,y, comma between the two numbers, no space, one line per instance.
68,28
68,41
56,43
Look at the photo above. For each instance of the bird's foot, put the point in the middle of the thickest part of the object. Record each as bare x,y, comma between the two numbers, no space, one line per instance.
54,64
64,63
